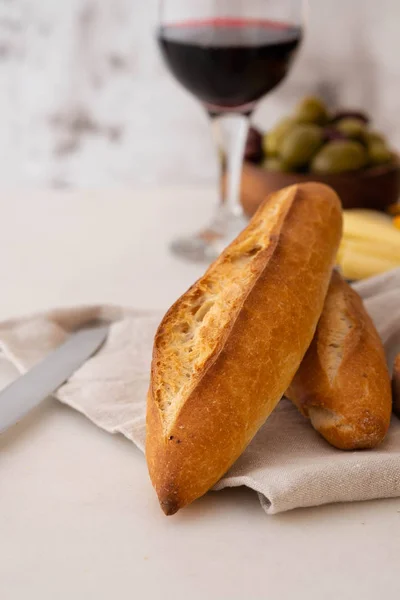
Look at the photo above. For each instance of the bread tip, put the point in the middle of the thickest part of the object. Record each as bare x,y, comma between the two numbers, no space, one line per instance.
169,506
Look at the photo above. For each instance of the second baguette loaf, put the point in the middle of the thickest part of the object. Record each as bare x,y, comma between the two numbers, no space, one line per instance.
343,383
227,350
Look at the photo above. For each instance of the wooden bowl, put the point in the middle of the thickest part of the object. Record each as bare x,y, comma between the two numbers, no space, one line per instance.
374,188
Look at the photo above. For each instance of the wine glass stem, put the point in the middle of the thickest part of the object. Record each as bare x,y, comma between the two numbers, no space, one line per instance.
230,134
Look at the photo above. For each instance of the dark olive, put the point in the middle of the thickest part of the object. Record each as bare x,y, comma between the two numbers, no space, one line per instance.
330,134
350,114
253,152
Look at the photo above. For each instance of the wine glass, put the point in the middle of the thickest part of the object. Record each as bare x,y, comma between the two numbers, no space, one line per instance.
229,54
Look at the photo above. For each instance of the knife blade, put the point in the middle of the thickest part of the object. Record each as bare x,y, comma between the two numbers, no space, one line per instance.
21,396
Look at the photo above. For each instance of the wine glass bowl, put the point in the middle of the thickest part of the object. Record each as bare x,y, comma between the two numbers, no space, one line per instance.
228,55
227,63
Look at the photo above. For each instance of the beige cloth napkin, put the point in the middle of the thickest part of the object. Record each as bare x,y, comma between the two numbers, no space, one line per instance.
287,463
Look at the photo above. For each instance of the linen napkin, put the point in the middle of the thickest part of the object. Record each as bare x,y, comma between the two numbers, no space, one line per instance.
287,463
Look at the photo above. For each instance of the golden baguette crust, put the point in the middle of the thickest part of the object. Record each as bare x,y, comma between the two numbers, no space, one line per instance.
267,291
343,383
396,386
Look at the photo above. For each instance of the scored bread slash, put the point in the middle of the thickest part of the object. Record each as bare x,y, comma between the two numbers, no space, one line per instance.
227,350
396,386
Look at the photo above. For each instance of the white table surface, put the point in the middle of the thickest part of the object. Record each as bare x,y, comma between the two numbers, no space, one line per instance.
78,516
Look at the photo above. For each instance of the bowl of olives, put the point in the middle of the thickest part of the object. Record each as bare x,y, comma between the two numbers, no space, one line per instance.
340,149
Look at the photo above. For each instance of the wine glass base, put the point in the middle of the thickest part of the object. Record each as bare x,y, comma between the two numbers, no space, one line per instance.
208,244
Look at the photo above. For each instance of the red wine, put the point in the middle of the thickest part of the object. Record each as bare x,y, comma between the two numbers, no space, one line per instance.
229,63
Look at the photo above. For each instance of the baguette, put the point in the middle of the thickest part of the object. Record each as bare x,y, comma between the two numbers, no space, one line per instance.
396,386
227,350
343,383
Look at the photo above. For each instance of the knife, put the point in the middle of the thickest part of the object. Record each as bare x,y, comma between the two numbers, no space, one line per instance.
21,396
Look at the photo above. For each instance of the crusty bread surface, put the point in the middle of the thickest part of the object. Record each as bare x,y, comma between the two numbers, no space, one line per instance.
227,350
343,383
396,386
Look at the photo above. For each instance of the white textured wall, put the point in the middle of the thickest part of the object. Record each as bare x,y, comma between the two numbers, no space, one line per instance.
86,101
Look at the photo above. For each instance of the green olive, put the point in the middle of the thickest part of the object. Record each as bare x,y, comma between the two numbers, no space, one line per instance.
379,153
272,140
312,110
300,145
374,136
340,156
351,128
274,164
